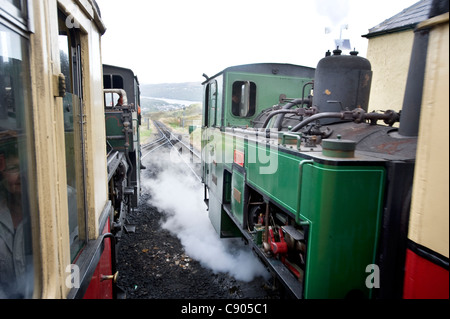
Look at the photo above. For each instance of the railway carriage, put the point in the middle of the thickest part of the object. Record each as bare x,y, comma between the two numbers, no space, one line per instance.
320,188
57,215
427,266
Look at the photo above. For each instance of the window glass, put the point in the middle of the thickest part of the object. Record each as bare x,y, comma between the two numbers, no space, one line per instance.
16,9
16,3
16,256
212,103
107,82
112,81
243,99
117,82
69,48
113,99
206,106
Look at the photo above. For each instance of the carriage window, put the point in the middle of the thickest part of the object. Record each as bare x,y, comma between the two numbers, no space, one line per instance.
16,158
17,9
243,99
70,51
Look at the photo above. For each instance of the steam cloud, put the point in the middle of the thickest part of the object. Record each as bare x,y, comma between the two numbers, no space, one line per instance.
335,10
176,192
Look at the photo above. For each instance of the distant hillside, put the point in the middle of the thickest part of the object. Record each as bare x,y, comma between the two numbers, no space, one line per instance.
190,91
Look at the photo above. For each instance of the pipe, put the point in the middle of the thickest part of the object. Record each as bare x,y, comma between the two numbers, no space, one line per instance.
317,117
304,86
272,114
266,244
357,115
279,122
120,92
412,102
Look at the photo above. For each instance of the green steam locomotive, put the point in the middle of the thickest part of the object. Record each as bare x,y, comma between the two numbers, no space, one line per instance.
293,162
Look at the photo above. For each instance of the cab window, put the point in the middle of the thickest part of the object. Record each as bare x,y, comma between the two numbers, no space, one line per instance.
112,81
211,104
243,99
113,99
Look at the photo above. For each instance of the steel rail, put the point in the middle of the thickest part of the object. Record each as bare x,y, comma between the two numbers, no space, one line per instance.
164,130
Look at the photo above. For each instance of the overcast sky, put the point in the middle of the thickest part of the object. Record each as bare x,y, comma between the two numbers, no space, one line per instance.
165,41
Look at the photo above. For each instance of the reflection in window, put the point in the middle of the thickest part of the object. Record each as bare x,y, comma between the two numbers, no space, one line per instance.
243,100
16,3
16,259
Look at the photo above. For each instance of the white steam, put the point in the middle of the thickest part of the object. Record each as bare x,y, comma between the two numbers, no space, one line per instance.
178,193
335,10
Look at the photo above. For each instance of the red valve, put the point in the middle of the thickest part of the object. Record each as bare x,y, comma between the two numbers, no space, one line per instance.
278,247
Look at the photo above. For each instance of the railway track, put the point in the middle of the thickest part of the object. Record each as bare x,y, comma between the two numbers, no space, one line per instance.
168,139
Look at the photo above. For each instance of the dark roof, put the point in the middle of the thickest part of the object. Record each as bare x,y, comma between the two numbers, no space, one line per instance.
405,20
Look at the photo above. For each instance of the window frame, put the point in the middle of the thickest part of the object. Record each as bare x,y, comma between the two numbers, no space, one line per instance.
21,17
211,104
248,89
75,87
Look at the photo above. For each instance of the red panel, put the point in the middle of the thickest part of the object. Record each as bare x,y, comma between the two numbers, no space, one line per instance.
239,158
424,279
102,289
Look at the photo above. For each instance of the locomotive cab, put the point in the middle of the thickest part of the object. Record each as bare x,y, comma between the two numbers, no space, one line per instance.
235,96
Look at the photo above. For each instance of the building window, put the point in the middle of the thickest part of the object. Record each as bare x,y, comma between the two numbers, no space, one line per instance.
16,172
243,99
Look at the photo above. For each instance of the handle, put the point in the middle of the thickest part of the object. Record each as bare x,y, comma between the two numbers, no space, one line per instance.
298,137
300,181
135,127
110,277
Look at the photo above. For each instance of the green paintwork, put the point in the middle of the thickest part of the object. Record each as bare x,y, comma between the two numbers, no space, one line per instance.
340,203
269,88
281,186
343,207
237,196
114,127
